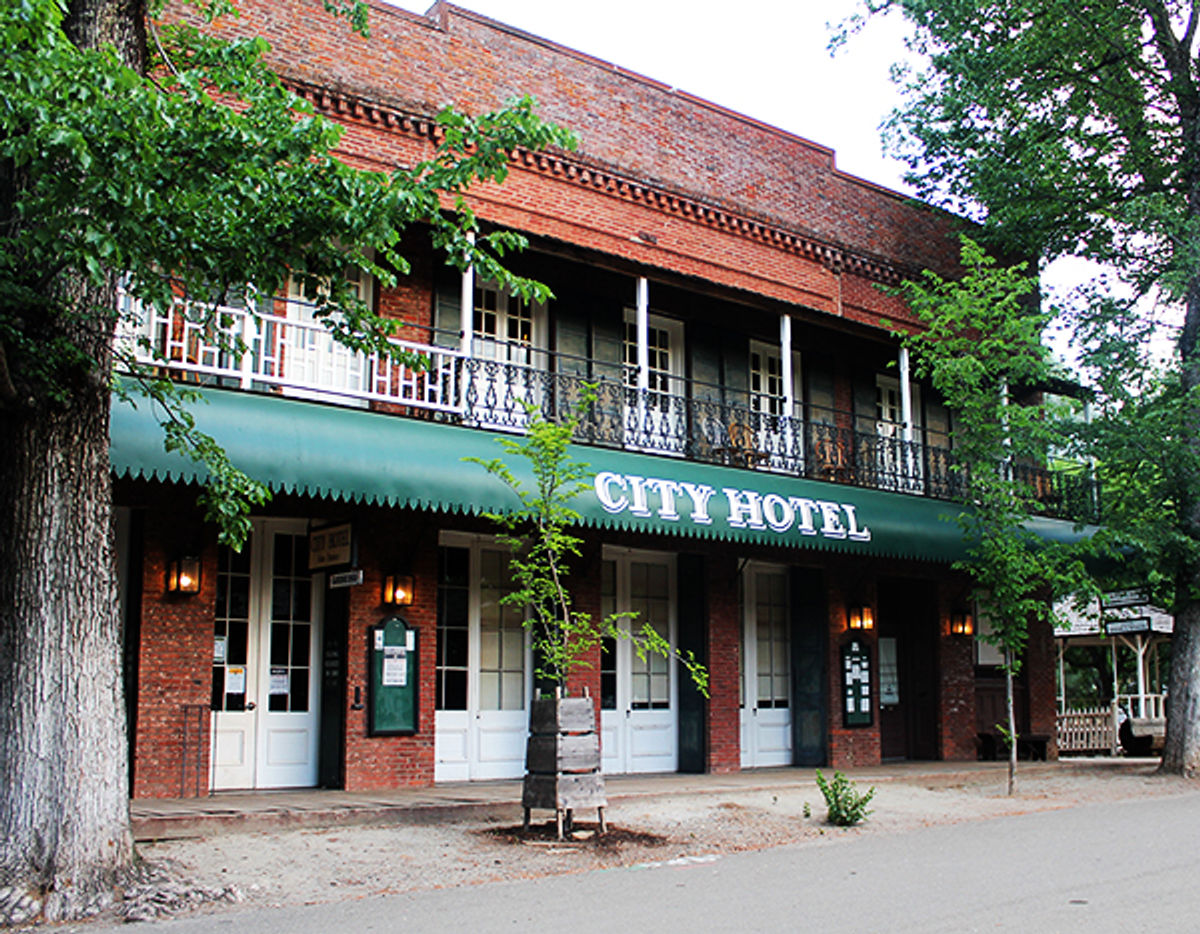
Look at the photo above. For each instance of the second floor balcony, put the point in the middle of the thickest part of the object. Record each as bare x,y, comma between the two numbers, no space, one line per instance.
496,388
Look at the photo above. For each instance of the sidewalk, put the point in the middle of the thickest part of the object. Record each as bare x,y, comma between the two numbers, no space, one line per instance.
240,812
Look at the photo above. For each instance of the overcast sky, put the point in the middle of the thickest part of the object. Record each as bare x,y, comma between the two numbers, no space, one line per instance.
764,58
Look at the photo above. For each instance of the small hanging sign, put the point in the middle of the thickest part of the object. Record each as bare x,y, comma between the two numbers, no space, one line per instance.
346,578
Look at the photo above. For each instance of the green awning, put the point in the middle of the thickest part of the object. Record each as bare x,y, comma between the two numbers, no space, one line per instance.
354,455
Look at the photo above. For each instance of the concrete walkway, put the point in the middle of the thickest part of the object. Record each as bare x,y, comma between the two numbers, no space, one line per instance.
240,812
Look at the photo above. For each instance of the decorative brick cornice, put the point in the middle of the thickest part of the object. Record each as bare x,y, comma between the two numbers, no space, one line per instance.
838,258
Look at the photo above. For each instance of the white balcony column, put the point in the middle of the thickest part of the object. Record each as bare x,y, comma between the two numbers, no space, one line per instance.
785,360
906,413
1112,646
466,302
249,330
1139,646
643,333
1062,676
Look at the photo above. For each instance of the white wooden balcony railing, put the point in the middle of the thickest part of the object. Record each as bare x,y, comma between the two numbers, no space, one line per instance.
233,347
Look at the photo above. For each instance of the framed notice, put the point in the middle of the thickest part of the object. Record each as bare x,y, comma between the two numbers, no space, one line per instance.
856,683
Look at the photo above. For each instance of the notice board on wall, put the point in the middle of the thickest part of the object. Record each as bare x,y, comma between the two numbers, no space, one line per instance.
394,684
856,683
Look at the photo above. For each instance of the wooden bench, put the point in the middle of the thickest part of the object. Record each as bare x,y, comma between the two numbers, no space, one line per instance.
1030,746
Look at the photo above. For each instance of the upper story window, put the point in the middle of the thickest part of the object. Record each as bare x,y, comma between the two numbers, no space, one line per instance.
664,352
767,396
507,327
306,356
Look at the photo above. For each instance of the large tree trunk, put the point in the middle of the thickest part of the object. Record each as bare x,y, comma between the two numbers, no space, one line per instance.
64,807
65,839
1181,751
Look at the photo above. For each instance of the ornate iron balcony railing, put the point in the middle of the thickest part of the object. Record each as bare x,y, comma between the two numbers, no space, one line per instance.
683,418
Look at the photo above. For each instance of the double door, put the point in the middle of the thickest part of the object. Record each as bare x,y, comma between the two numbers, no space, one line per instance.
483,669
766,720
638,692
899,463
655,417
508,341
265,687
305,354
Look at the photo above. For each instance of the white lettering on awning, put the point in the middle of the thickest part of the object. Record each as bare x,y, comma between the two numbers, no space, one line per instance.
650,497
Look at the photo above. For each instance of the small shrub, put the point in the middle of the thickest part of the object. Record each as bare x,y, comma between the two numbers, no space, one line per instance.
847,805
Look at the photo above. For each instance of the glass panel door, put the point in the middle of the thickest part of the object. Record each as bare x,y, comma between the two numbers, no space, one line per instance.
638,699
266,631
655,419
482,672
766,650
509,370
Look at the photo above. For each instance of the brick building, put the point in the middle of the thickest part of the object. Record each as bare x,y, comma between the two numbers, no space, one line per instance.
766,470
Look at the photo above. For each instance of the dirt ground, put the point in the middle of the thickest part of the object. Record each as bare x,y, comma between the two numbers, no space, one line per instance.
307,866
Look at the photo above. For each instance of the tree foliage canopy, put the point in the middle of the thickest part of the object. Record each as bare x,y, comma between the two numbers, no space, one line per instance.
539,533
186,172
1067,127
981,348
1071,128
204,177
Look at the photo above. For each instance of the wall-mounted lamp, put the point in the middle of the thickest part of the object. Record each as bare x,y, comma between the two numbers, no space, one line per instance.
860,616
183,575
961,623
398,590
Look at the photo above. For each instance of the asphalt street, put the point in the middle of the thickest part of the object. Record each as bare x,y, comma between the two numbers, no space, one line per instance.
1131,866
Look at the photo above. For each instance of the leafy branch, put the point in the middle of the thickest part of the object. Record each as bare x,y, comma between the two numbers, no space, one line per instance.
537,532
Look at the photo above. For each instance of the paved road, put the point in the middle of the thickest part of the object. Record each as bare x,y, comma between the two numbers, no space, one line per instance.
1127,867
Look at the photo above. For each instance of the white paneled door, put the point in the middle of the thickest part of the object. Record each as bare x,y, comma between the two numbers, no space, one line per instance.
638,696
265,695
483,665
766,732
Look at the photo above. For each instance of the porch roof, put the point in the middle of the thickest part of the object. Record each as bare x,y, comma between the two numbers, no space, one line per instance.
328,451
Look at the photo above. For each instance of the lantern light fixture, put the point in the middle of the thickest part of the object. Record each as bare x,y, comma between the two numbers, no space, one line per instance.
398,590
183,575
961,623
860,616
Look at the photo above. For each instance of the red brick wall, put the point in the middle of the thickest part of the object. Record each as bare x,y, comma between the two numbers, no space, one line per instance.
721,196
724,650
1040,659
390,542
957,690
651,131
584,586
175,654
850,747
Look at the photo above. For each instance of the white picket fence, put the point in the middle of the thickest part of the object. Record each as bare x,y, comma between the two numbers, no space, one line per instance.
1091,729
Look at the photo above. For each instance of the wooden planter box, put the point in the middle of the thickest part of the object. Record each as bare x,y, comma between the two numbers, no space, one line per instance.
562,759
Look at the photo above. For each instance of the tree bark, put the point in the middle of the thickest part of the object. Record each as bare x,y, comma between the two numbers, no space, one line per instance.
1181,749
65,841
64,806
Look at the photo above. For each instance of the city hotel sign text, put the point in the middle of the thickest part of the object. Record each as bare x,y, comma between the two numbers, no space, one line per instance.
680,501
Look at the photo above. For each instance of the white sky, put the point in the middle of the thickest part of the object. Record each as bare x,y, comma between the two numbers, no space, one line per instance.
764,58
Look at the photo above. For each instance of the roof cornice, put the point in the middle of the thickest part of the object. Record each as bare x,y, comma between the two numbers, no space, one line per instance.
837,258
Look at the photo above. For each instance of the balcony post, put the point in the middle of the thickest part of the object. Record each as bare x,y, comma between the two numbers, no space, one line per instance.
785,361
249,329
906,413
643,334
466,300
